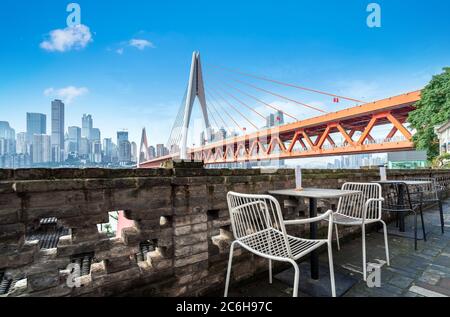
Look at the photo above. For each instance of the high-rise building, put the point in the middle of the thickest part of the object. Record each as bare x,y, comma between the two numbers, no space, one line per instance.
133,152
86,126
151,151
74,139
124,152
36,124
21,143
8,135
58,123
161,150
42,150
275,119
96,153
107,150
122,136
84,148
6,132
95,135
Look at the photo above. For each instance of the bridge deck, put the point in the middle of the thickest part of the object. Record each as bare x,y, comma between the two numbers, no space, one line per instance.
313,137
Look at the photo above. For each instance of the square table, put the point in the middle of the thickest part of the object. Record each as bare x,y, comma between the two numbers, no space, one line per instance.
314,194
401,194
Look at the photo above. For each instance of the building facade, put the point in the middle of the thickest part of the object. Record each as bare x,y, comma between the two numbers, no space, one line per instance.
57,130
443,134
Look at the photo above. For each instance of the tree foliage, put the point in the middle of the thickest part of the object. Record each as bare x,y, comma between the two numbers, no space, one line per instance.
432,110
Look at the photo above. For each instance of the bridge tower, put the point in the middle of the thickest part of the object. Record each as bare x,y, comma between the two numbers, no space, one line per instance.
196,89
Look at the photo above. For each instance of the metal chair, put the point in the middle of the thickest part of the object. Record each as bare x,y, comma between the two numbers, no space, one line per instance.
258,227
430,194
399,199
361,210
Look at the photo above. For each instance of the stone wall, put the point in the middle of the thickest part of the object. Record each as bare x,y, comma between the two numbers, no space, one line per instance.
179,242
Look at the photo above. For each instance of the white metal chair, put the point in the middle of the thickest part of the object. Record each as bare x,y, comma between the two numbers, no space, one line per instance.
258,226
361,210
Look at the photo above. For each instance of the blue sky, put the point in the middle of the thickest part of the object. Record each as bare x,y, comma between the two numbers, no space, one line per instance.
321,44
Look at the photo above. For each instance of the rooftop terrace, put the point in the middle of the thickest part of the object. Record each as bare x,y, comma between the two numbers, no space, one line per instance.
178,242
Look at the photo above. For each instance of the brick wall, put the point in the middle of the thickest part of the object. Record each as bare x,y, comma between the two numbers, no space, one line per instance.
181,213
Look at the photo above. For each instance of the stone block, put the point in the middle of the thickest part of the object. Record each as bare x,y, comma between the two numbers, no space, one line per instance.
180,262
43,280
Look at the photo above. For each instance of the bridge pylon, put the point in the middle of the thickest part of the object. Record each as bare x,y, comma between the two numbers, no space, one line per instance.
196,89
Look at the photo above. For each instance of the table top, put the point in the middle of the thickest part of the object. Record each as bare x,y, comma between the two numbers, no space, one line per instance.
318,193
407,182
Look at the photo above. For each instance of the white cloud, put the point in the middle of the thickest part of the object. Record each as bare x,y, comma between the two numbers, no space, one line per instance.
67,94
140,44
63,40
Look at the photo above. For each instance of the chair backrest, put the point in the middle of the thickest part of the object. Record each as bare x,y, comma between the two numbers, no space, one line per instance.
430,191
253,214
354,205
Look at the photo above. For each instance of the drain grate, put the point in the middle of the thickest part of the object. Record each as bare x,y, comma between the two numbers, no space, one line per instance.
48,233
6,284
145,247
84,261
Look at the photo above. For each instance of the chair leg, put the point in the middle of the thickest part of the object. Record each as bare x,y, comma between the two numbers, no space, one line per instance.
330,261
423,225
386,242
364,252
415,231
441,211
337,237
270,271
296,278
230,261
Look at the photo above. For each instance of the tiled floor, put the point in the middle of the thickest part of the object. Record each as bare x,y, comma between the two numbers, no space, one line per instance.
425,272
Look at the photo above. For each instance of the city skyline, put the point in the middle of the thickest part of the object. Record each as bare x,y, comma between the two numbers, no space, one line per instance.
135,76
48,143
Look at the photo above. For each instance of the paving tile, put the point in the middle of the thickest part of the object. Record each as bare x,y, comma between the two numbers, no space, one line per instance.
401,281
425,272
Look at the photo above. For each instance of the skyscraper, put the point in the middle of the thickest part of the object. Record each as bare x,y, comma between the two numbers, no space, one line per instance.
133,152
96,153
107,150
36,124
57,130
124,147
122,136
86,126
42,150
21,143
161,150
125,152
275,119
74,139
151,151
95,135
8,137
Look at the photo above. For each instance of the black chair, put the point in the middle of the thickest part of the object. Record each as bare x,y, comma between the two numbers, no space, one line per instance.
432,194
400,200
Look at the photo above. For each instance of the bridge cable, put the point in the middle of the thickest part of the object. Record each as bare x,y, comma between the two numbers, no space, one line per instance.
286,84
241,102
280,96
226,112
260,101
235,109
209,101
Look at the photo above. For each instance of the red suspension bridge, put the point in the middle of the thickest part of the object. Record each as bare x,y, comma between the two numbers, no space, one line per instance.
230,102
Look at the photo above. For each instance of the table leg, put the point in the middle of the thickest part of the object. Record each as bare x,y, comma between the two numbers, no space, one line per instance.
401,202
313,235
